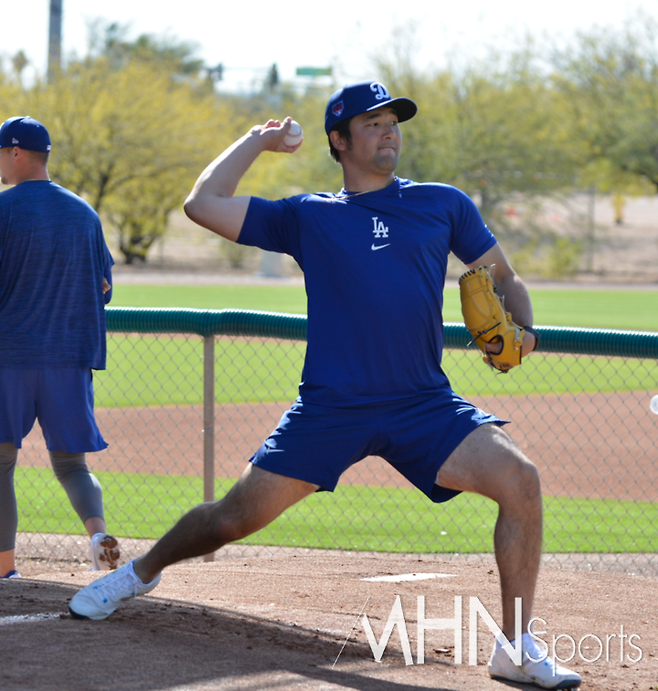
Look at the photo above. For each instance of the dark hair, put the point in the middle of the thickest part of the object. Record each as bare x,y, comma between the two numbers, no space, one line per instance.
343,129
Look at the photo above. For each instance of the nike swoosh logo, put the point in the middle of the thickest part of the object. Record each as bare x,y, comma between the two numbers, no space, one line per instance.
379,247
270,450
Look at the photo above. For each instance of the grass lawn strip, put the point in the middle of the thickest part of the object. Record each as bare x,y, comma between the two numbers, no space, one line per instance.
354,518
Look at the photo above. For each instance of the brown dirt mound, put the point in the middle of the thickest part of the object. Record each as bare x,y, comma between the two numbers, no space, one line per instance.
282,622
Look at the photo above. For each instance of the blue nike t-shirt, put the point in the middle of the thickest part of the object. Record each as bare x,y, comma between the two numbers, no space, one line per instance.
374,266
53,258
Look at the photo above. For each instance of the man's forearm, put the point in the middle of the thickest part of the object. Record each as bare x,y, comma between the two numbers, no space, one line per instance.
517,299
518,304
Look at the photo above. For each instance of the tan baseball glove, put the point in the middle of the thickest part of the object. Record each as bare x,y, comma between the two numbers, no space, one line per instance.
485,317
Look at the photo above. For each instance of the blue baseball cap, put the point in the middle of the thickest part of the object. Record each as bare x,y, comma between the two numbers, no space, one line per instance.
24,132
354,99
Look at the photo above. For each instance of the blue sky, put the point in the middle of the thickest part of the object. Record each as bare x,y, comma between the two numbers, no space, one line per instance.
249,36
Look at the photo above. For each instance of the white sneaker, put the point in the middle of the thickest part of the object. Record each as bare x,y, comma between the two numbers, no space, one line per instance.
102,597
546,673
104,552
11,574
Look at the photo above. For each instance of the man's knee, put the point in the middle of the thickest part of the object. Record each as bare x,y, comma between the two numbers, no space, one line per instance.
525,481
516,475
66,465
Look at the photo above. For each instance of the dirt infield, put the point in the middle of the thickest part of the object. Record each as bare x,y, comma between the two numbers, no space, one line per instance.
584,446
282,622
596,446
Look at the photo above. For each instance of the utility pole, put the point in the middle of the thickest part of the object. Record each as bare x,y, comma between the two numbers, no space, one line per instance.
55,39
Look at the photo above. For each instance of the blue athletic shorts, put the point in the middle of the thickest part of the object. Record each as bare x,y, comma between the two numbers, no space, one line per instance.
318,443
62,399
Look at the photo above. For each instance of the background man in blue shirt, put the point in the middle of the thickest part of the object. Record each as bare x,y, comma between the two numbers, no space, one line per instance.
374,258
55,278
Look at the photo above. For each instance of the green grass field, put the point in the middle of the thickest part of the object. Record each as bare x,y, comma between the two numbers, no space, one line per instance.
287,299
160,371
352,518
606,309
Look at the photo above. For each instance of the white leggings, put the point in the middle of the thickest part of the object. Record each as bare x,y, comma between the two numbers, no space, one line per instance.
82,488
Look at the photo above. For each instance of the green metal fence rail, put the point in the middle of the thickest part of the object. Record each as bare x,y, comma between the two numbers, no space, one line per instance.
189,394
206,322
554,339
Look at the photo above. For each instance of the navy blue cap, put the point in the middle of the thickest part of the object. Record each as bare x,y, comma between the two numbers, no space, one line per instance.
354,99
25,132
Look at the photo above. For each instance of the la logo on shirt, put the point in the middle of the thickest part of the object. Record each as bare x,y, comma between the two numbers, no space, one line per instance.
379,229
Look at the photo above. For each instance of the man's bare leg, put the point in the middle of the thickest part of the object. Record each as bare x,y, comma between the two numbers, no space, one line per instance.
489,463
253,502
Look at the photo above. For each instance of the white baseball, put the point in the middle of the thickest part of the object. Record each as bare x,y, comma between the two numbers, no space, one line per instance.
295,134
654,405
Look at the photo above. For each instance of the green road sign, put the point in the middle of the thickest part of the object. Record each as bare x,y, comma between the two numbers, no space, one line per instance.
313,71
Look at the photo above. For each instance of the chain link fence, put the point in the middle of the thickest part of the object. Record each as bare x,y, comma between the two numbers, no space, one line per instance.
189,395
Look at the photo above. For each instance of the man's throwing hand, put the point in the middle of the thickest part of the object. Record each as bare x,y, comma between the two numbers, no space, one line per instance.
274,133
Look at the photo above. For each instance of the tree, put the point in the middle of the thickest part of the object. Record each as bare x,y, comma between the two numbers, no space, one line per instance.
140,215
19,62
111,41
494,128
129,140
609,78
134,123
272,78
